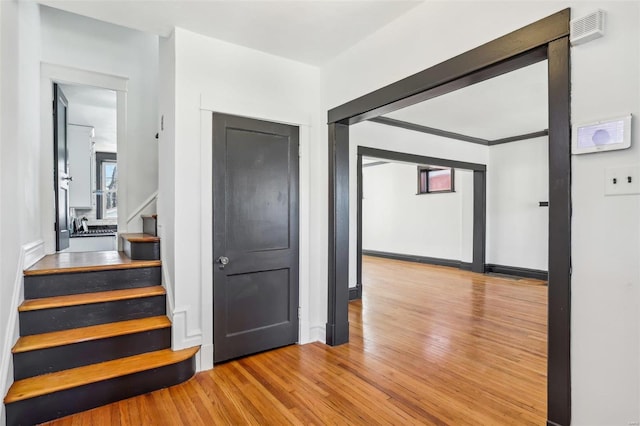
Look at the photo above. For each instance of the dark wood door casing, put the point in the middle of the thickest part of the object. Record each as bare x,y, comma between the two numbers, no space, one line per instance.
61,168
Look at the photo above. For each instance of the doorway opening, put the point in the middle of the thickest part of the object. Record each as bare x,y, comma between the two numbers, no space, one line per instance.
545,39
86,168
86,112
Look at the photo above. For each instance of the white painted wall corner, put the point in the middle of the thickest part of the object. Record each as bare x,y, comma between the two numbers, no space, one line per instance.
318,334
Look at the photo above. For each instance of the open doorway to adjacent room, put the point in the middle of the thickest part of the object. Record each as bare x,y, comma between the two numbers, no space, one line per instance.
501,123
494,331
85,167
443,183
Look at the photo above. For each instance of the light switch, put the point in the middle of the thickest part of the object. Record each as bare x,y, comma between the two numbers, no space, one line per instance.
622,180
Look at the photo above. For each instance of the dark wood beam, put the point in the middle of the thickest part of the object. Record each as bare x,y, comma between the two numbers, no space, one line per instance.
429,130
404,157
512,51
559,336
359,166
374,163
338,278
516,138
479,220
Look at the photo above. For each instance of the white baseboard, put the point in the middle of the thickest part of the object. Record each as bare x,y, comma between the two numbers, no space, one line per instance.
181,336
318,333
32,253
29,254
205,361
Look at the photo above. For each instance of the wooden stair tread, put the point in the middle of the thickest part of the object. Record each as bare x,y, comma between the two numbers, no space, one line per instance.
84,334
149,216
62,263
67,379
140,238
88,298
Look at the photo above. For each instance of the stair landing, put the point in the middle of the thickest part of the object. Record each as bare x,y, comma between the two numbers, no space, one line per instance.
61,263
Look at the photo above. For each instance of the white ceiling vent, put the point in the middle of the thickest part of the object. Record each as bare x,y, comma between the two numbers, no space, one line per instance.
587,28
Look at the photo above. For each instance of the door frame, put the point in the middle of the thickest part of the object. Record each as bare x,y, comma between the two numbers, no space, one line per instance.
49,74
59,99
479,200
547,39
221,123
307,330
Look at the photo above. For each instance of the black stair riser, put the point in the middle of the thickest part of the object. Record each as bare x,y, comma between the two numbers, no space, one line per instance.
46,320
63,403
39,286
43,361
142,250
150,226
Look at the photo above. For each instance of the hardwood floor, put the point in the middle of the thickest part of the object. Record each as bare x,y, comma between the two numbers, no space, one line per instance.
429,345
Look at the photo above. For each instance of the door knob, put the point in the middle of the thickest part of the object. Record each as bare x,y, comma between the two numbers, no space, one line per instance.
223,261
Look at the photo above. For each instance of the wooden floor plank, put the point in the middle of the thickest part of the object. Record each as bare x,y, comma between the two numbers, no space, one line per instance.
88,298
63,263
84,334
428,345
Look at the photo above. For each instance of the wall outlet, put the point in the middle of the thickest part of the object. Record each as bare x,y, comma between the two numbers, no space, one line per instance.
622,180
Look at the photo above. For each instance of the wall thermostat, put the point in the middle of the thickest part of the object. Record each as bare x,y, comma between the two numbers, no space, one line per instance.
603,135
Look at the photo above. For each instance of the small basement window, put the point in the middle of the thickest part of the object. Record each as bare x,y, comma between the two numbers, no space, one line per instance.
435,179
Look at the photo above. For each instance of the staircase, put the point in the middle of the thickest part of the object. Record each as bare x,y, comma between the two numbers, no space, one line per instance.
93,331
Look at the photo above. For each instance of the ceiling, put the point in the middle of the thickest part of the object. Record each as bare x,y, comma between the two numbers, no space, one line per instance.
303,30
508,105
315,31
94,107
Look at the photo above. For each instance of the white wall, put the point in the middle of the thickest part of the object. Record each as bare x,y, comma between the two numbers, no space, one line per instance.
84,43
211,75
19,163
381,136
517,179
606,276
517,228
605,292
396,220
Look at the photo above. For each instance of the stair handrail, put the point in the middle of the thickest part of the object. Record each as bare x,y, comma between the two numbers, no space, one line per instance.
143,206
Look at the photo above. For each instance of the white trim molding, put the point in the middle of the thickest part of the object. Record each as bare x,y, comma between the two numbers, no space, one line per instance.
206,358
53,73
153,197
65,74
206,239
210,104
166,280
30,253
256,109
181,336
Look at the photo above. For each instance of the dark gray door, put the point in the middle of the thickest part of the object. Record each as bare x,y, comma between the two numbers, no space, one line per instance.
61,167
255,236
